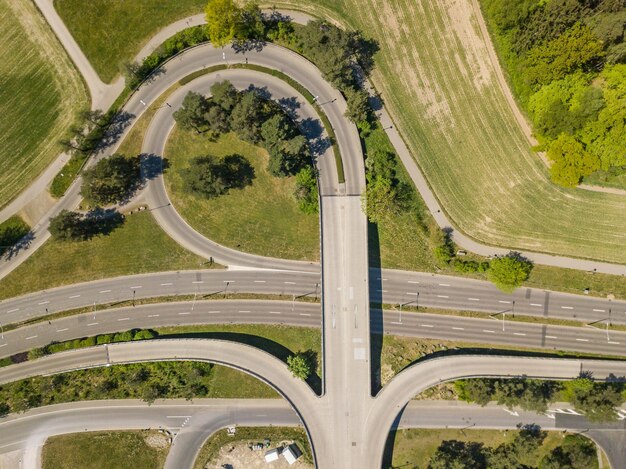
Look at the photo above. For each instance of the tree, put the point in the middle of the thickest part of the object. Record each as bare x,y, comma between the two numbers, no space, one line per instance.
224,94
222,18
300,366
247,115
111,179
598,401
217,119
570,161
573,50
209,177
276,130
251,23
358,104
379,202
192,113
509,272
479,390
67,226
289,156
454,454
576,452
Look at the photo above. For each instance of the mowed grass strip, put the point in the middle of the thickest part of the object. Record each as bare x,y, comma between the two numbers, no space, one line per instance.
106,450
437,81
111,32
138,246
262,218
40,95
415,446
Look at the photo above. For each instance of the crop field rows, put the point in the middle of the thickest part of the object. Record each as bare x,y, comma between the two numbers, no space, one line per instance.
435,76
40,94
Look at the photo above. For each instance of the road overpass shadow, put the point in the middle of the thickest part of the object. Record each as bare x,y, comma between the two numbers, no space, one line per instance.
274,348
391,440
376,312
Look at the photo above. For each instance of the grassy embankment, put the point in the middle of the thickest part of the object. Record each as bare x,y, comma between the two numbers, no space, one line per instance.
138,246
41,94
147,449
262,218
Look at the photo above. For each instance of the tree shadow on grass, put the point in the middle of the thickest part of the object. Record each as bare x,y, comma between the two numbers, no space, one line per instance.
273,348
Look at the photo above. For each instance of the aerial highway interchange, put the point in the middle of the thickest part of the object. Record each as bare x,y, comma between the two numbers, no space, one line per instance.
349,422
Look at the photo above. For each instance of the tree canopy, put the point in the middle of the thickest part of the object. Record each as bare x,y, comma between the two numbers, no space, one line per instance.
300,365
509,272
222,18
209,176
111,179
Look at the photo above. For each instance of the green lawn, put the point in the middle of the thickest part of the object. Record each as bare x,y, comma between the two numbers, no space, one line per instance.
40,93
414,447
106,450
262,218
138,246
111,32
215,442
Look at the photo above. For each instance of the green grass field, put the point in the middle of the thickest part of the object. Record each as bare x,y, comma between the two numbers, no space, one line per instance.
414,447
138,246
114,31
262,218
437,81
41,93
106,450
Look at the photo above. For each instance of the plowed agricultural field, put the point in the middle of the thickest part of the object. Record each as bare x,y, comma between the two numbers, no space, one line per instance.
438,81
40,93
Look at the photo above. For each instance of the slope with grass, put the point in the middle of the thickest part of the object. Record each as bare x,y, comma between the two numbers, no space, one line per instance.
40,92
106,450
136,247
261,219
112,31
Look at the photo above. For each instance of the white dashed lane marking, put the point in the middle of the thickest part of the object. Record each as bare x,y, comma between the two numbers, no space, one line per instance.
567,307
105,291
74,296
474,299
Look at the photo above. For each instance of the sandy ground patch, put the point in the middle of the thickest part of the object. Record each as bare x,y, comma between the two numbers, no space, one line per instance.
239,456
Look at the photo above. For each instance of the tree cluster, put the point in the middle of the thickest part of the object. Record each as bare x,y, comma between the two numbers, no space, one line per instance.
254,119
111,180
146,381
509,272
306,192
567,63
75,226
598,401
210,177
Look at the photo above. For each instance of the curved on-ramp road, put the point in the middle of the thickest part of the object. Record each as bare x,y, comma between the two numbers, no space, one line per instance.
381,411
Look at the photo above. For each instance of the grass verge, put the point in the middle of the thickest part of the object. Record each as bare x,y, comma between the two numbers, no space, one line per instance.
147,449
262,218
110,33
138,246
218,440
414,447
41,95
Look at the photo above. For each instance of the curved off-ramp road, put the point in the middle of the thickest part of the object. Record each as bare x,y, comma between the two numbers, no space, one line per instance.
191,423
316,413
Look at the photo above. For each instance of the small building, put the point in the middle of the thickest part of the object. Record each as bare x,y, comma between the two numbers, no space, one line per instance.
272,455
291,453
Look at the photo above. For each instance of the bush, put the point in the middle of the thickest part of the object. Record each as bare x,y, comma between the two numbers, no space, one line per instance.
306,191
300,365
509,272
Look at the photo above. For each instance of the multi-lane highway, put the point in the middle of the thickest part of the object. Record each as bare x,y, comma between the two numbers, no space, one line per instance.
392,286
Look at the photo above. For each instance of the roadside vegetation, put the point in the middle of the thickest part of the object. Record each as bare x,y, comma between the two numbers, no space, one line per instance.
136,247
106,450
528,447
211,448
596,400
160,380
41,94
567,65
